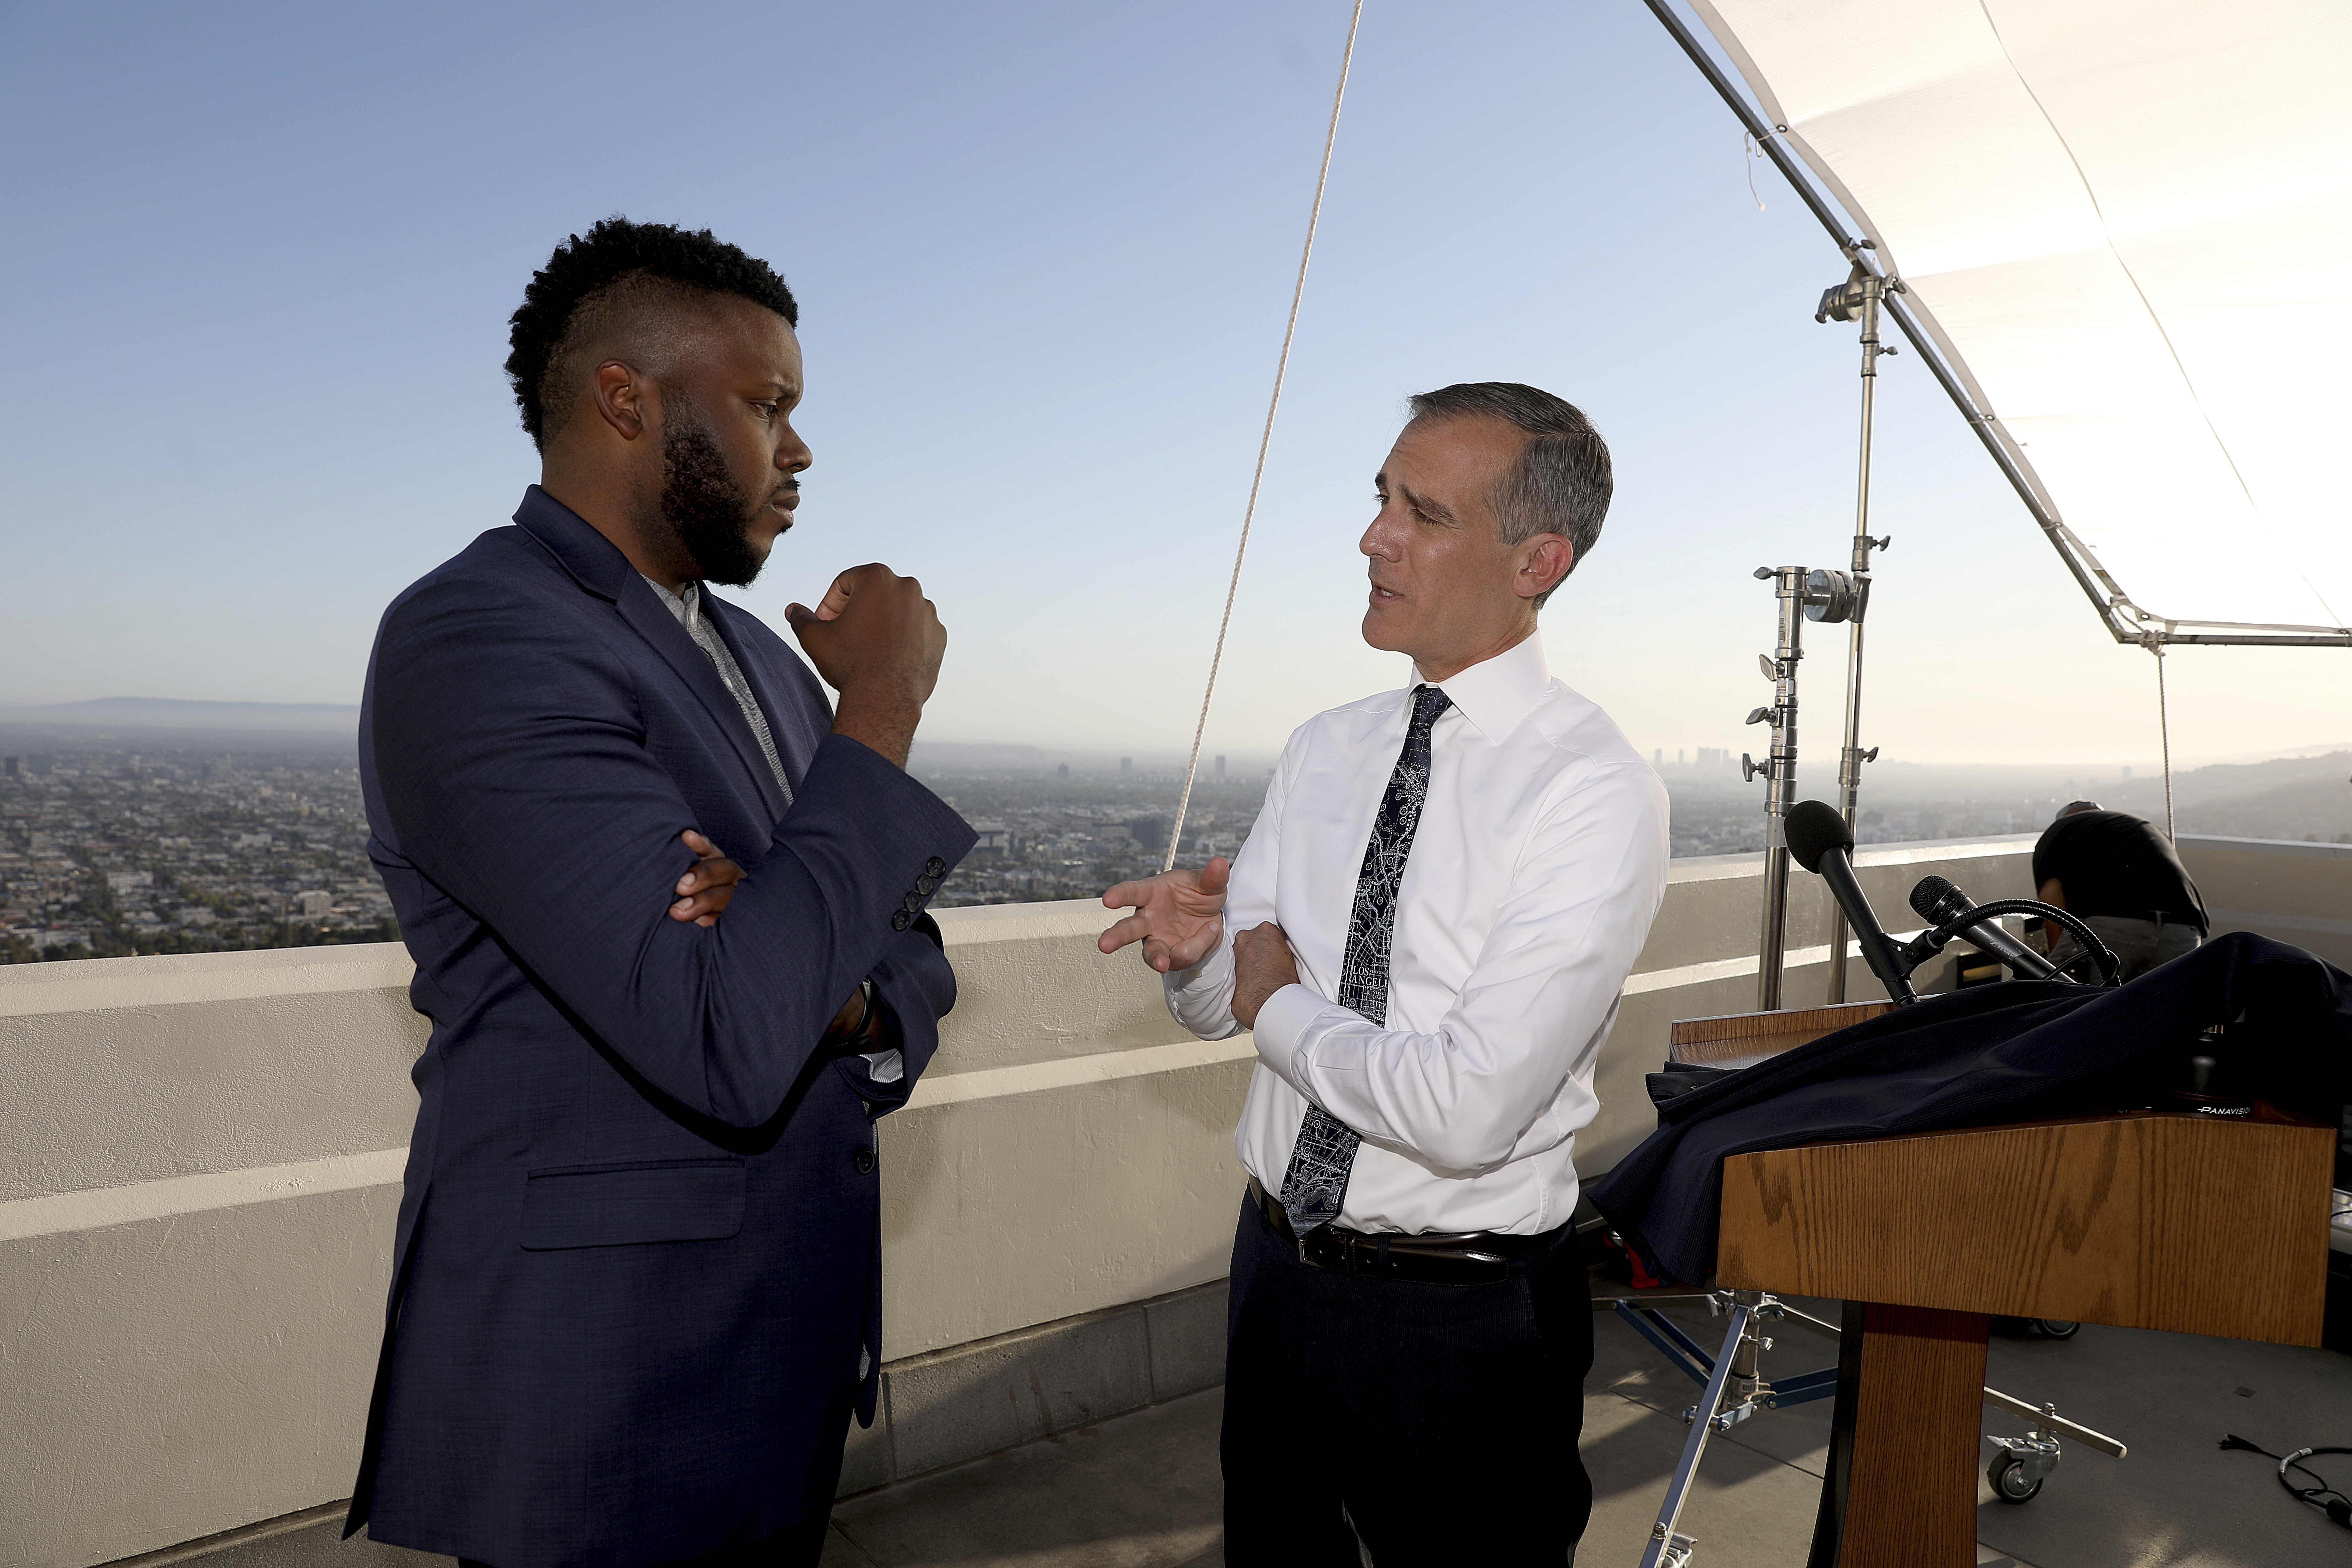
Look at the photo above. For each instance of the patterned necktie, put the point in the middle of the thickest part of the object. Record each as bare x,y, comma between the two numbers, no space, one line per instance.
1317,1180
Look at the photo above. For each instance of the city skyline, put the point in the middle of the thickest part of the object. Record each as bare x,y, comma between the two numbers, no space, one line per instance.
163,841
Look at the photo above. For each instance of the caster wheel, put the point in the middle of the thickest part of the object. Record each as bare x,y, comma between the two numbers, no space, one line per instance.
2010,1328
2055,1328
2006,1475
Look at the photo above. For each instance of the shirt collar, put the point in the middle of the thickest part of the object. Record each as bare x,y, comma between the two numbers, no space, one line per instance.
1495,694
681,604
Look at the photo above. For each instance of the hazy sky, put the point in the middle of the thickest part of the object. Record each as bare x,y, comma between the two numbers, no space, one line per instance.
261,259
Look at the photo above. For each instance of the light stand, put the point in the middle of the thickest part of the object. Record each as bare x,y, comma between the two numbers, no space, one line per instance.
1804,596
1856,299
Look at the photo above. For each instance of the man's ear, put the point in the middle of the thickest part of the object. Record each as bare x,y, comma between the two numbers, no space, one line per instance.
1542,563
626,400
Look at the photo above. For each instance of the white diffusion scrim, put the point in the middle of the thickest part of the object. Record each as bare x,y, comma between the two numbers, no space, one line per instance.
2128,223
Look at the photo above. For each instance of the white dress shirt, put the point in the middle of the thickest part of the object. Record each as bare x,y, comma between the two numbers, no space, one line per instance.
1537,868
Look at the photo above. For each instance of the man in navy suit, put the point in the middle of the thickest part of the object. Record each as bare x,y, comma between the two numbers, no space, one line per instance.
636,1281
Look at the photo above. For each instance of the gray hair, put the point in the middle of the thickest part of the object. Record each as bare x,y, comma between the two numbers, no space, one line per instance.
1562,482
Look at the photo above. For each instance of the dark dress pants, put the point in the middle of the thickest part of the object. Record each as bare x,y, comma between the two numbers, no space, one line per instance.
1441,1420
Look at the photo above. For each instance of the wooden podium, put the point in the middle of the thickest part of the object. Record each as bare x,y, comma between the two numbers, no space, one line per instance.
2181,1222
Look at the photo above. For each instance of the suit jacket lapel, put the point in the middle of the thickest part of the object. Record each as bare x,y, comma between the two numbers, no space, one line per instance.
653,621
600,567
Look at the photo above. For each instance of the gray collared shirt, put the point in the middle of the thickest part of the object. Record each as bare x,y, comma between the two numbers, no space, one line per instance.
686,606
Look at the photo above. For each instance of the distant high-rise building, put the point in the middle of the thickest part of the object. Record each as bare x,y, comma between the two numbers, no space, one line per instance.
1678,756
1126,766
1658,757
312,906
1063,772
1221,764
2127,772
8,766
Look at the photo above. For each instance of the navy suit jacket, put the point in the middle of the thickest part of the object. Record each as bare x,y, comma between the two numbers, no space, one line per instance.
636,1274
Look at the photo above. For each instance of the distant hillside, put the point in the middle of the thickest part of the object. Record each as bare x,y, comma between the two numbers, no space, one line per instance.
168,713
2306,808
2226,782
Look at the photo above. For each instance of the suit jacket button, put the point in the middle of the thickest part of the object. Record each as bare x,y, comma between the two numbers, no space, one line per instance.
864,1160
935,867
901,920
911,902
926,885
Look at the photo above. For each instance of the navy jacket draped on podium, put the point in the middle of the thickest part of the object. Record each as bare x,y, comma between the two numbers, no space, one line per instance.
1989,1054
635,1290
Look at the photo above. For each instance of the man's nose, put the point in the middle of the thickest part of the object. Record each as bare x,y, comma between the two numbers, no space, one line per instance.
1376,542
792,454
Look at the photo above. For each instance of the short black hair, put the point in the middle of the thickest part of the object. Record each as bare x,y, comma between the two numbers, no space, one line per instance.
583,271
1562,481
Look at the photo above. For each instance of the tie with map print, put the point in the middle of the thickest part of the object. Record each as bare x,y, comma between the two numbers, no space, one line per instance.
1317,1180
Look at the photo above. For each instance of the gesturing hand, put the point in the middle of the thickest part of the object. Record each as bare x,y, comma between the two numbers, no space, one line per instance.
707,885
1179,915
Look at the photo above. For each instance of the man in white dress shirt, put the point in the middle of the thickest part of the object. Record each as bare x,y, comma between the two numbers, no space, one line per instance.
1429,925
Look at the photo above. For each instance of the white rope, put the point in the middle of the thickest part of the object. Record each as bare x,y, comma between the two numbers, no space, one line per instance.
1266,439
2164,730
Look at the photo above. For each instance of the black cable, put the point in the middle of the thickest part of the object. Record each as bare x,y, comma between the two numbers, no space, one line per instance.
2330,1501
2111,969
1928,943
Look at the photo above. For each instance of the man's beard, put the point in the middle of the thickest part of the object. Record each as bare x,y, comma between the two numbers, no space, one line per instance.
709,511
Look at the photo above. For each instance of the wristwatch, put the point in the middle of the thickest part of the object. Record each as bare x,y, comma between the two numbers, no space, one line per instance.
869,1008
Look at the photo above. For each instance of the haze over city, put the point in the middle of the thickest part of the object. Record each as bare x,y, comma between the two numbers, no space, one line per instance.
1044,258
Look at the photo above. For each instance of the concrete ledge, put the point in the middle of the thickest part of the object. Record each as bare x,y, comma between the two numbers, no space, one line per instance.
949,1406
204,1150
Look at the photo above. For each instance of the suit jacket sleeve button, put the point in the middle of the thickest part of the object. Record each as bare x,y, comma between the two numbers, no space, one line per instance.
911,903
935,867
901,920
864,1160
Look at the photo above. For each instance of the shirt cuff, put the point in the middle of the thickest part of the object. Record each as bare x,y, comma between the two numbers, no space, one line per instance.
1201,997
1281,1031
886,1067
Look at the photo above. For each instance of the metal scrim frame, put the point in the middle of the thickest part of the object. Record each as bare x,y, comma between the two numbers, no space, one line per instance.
2124,620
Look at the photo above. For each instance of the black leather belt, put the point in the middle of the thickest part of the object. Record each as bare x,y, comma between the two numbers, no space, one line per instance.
2153,917
1442,1258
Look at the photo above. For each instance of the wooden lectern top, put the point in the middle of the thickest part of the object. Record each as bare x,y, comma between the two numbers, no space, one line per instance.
1743,1039
2148,1220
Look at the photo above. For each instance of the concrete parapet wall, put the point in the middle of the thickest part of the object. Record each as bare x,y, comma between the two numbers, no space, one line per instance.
200,1157
2298,893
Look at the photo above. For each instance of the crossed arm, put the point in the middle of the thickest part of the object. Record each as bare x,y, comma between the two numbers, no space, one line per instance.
702,896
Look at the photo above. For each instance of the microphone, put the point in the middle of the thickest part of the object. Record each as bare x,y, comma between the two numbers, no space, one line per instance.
1940,903
1820,841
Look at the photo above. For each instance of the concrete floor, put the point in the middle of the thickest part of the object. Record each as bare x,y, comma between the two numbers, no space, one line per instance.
1141,1490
